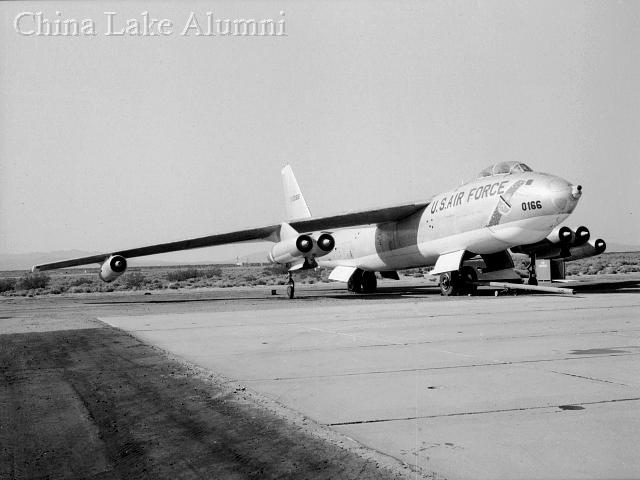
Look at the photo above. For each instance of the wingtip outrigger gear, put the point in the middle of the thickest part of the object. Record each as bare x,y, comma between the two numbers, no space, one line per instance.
291,286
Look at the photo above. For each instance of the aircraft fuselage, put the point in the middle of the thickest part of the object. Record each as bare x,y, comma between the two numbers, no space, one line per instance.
485,216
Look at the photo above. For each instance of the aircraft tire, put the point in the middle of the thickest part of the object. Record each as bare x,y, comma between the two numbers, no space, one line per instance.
450,284
369,283
468,277
291,290
355,282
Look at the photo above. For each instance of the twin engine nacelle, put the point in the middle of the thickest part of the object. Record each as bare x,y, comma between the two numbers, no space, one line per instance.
564,236
302,246
112,268
565,243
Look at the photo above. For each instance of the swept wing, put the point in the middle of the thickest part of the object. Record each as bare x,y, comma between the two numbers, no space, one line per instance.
270,233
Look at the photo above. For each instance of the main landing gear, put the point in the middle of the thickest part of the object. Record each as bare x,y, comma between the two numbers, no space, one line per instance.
362,282
461,282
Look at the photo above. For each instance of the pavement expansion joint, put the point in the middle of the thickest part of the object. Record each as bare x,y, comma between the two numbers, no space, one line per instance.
483,412
589,378
446,367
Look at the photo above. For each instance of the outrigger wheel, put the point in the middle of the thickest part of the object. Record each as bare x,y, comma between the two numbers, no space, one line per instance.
291,287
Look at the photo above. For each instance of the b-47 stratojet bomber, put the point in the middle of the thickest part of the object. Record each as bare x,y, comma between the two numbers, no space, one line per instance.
507,207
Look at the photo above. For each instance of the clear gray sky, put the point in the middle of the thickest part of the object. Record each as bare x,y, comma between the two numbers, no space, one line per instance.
111,142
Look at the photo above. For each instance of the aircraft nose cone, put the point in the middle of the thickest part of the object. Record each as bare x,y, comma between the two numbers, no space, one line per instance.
564,195
576,191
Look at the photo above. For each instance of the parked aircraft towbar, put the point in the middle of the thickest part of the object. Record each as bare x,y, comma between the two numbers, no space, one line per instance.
532,288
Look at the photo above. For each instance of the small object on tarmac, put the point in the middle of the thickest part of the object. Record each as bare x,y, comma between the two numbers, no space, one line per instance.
274,291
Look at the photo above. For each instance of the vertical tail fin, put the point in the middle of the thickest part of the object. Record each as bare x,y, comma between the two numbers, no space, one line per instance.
294,201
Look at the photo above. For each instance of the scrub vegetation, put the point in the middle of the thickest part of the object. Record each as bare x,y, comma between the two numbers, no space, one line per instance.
78,280
607,263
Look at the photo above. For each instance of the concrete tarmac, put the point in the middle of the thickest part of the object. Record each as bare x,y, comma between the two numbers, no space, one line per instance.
401,383
524,387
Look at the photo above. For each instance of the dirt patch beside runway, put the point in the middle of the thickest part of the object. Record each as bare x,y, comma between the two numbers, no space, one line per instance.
97,403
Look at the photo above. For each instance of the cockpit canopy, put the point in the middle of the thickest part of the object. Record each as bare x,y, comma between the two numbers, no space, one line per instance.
504,168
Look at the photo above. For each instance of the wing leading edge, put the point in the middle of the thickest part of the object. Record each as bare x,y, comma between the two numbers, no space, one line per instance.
268,233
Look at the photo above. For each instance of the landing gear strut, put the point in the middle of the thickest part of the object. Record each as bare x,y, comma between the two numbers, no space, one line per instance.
291,286
533,278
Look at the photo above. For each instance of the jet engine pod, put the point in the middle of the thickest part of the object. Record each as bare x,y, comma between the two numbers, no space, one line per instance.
112,268
326,243
582,235
562,235
304,243
291,249
322,245
588,249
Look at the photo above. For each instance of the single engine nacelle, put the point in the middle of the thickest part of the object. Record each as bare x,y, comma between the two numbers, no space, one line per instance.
582,236
112,268
561,235
291,249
